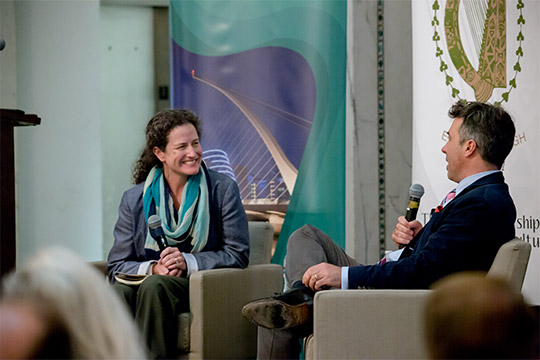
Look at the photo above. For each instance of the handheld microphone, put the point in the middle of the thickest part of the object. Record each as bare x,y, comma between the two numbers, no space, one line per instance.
415,193
156,231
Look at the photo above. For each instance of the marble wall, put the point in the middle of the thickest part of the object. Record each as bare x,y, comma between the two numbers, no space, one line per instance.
379,123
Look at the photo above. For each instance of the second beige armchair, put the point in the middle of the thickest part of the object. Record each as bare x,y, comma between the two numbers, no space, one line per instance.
388,324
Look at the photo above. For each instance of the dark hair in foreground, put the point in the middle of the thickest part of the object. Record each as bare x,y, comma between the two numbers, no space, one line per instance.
157,135
490,126
473,316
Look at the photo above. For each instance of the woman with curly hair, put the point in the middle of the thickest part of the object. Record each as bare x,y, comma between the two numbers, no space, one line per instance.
203,221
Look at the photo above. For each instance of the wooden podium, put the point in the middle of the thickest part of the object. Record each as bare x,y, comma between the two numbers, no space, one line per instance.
8,120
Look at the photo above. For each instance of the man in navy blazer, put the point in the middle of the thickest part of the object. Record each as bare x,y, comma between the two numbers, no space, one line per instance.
463,234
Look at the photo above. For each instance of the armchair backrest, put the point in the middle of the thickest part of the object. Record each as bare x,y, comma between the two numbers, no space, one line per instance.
261,236
511,262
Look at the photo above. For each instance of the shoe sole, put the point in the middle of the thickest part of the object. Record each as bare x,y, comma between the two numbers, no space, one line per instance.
276,314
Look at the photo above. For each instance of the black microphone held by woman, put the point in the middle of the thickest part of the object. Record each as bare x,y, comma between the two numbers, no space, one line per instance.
156,231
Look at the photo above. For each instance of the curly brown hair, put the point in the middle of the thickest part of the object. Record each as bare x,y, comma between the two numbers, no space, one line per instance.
157,134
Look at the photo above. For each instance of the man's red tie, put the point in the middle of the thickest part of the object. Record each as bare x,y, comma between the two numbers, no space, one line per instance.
447,198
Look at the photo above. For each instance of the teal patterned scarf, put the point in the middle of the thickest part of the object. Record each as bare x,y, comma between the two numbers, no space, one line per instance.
191,221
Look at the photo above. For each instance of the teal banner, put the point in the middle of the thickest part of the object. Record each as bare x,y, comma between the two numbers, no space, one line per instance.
267,79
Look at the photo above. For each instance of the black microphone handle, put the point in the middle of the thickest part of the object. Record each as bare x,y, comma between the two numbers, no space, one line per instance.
412,208
415,193
408,249
162,242
411,214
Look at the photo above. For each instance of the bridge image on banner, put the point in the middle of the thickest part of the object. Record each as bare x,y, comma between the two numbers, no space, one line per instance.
218,160
267,181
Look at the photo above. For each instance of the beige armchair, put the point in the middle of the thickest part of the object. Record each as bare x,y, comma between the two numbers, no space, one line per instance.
388,324
215,327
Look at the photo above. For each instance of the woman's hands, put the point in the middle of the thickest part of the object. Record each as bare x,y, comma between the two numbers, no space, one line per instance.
171,263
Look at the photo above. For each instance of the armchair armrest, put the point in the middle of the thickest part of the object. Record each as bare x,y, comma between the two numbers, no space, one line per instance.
368,324
216,300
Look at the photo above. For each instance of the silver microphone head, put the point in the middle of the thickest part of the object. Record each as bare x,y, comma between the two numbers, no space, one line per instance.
416,190
154,222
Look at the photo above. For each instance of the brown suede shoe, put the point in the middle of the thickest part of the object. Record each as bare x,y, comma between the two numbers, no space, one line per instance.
283,311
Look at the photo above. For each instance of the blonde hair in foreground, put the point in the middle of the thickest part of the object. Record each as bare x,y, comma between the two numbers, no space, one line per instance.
77,295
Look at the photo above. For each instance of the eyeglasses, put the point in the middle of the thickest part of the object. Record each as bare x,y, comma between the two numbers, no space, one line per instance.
445,135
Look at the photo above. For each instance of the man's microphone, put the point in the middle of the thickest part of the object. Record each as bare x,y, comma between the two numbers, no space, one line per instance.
416,191
156,231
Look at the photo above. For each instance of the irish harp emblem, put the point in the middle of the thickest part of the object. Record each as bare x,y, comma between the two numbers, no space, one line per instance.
487,23
476,39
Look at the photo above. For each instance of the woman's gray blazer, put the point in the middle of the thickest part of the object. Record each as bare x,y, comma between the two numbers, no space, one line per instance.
228,240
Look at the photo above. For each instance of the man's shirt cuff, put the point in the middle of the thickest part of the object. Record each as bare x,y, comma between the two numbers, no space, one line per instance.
345,277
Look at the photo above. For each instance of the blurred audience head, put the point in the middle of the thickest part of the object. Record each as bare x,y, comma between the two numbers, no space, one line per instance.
26,332
471,316
68,303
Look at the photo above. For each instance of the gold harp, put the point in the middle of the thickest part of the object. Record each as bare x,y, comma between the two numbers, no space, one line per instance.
487,22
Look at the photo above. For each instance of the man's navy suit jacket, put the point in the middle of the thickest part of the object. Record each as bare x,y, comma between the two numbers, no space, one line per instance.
465,235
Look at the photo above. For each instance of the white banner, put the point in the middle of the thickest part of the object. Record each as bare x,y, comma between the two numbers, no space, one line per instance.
500,64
